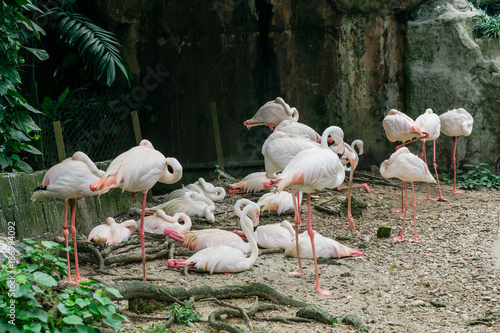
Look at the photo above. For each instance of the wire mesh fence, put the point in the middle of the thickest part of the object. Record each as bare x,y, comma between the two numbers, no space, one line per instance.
90,123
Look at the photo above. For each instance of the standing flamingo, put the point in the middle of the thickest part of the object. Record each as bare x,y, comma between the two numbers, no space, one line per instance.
313,170
157,223
454,123
272,113
429,122
69,179
225,259
251,183
112,232
409,168
137,170
351,158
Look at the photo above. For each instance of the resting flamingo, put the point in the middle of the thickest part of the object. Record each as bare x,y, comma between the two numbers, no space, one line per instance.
192,204
201,186
157,223
409,168
278,202
225,259
272,113
200,239
251,183
325,248
351,158
69,179
399,127
313,170
137,170
112,232
454,123
429,122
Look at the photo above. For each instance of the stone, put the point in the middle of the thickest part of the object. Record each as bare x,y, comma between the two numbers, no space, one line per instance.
384,232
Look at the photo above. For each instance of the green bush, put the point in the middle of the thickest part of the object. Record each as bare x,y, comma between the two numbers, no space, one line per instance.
487,26
478,176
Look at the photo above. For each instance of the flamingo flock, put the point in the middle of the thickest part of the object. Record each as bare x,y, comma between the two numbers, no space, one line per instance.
297,161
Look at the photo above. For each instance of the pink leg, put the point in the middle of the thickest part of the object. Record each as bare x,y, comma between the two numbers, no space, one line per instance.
142,236
73,231
402,200
425,160
350,219
270,126
364,185
400,239
436,171
298,222
455,167
66,235
426,135
414,215
311,235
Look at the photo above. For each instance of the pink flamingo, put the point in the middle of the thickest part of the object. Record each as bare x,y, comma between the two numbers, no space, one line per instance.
112,232
429,122
272,113
313,170
399,127
69,179
137,170
278,202
201,186
325,248
409,168
157,223
192,204
252,183
225,259
294,127
454,123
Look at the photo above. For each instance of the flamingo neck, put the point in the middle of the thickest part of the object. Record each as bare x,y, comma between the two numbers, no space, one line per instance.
246,226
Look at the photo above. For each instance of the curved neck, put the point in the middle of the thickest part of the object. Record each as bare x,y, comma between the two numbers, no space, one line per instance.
82,157
247,227
186,226
175,176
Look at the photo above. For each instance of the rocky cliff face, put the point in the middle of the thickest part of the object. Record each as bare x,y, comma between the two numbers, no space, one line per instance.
339,62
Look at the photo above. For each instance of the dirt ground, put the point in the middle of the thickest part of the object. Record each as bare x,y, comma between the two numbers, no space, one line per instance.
446,280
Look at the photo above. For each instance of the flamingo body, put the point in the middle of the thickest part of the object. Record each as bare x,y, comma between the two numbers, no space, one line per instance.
192,204
273,236
294,127
278,202
325,248
272,113
251,183
157,223
456,122
399,127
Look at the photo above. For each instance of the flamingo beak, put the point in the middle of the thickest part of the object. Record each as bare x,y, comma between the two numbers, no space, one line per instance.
341,150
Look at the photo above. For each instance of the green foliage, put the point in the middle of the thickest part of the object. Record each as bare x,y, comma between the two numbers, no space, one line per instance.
97,48
184,314
28,288
478,176
17,128
152,328
487,26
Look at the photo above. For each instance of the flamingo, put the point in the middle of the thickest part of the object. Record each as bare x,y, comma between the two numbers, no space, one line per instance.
192,204
200,239
225,259
409,168
157,223
399,127
112,232
138,170
325,248
454,123
272,113
313,170
201,186
294,127
351,158
278,202
69,179
252,183
429,122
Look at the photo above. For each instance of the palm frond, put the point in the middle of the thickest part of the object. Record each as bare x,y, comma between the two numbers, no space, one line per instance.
99,49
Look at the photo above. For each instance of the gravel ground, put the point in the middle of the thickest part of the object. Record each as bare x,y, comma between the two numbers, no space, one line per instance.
441,283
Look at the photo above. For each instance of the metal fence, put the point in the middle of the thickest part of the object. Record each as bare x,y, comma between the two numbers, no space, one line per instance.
90,123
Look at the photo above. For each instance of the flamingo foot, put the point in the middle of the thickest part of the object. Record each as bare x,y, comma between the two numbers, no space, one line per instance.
270,126
400,210
356,254
442,199
235,191
455,191
429,198
413,240
399,239
351,223
367,188
299,272
322,292
80,279
226,273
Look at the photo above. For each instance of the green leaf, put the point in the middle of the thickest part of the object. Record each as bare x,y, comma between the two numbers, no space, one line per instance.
44,279
114,291
23,166
39,53
113,322
73,320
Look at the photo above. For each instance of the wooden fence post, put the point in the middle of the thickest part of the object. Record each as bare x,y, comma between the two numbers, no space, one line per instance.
218,143
59,140
137,126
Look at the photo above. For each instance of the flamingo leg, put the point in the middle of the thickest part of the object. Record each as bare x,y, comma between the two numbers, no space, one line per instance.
405,193
73,231
311,235
142,236
455,167
402,199
66,235
436,170
364,185
414,215
407,142
349,214
298,222
425,160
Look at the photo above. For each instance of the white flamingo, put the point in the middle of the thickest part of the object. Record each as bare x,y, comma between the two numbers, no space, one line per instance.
159,221
201,186
272,113
278,202
252,183
325,248
192,204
